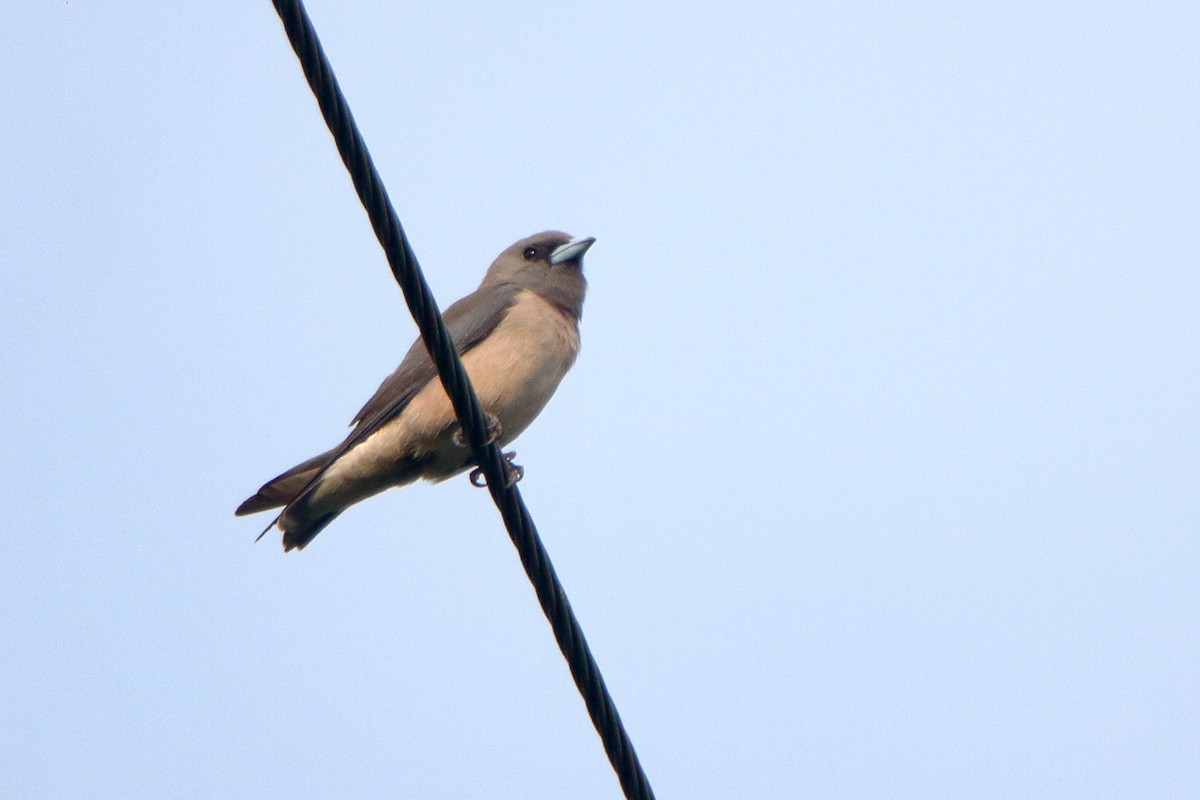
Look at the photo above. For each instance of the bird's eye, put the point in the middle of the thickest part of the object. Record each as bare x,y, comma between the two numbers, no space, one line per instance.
530,253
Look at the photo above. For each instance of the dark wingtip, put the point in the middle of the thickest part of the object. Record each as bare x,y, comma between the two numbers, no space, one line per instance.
252,505
268,497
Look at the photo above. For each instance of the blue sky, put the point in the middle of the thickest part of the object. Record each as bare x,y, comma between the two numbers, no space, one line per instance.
876,477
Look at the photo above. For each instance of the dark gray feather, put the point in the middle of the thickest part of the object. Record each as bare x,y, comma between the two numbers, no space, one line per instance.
282,489
469,321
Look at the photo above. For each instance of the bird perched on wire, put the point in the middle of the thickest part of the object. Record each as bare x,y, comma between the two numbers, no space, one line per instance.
517,336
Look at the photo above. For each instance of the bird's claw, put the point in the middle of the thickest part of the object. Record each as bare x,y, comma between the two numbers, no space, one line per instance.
512,472
494,430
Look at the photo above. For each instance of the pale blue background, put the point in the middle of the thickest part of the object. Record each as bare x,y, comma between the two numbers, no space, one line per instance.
877,476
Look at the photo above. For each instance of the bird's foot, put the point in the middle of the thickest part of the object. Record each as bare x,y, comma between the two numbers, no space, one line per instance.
494,430
512,472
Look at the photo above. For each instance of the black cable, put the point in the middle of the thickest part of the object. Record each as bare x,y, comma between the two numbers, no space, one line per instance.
424,309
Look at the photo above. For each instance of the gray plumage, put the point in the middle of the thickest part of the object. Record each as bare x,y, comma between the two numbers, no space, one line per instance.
517,335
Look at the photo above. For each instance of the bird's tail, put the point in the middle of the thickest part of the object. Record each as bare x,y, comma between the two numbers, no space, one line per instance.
295,538
283,489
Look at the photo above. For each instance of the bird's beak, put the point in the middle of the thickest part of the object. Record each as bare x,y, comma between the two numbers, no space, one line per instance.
573,249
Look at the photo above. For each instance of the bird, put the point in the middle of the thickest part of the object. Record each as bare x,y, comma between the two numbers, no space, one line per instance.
517,335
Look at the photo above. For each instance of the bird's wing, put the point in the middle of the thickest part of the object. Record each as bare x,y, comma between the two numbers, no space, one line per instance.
468,321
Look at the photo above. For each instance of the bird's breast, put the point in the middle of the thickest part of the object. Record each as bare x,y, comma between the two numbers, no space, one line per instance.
517,368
